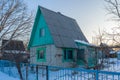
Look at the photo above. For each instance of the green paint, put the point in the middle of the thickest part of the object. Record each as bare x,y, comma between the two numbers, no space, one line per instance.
46,39
37,53
81,44
35,39
67,54
91,58
80,62
81,57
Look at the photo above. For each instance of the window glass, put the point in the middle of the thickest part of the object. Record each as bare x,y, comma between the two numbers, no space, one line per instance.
68,54
40,54
42,32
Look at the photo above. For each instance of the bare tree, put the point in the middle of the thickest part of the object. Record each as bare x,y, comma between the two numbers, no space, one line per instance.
100,37
15,22
113,38
15,52
113,8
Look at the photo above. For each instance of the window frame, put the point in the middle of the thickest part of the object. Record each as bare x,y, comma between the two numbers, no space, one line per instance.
66,54
44,54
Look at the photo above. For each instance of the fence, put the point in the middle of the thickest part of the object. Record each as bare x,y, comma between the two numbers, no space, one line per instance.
29,72
57,73
38,72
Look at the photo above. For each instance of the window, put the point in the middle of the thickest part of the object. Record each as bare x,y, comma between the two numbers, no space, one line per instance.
42,32
68,54
41,54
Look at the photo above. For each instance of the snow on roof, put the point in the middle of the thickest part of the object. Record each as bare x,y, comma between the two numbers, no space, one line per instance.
85,43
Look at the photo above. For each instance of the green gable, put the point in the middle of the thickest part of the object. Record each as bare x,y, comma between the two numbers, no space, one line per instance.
36,39
59,30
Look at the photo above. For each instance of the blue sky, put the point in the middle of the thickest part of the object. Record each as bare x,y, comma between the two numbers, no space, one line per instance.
89,14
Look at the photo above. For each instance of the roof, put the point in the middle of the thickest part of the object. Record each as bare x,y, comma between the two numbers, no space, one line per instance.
63,29
13,45
85,43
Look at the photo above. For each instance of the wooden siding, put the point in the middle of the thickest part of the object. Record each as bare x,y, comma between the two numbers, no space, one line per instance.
35,39
54,57
90,56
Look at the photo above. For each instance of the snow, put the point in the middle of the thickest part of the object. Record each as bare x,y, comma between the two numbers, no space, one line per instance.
112,64
83,42
12,73
112,52
4,76
118,52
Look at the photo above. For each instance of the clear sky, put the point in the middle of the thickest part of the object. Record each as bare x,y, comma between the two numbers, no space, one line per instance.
89,14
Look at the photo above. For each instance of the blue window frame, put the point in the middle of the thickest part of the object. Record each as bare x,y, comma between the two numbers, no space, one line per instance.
41,54
68,54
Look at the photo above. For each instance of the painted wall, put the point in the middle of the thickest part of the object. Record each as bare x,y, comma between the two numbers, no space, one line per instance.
90,56
47,39
54,57
35,39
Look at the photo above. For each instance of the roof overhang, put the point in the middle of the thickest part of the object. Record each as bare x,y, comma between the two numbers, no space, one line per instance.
85,43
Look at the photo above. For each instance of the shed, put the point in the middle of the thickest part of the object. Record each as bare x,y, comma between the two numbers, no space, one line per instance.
14,49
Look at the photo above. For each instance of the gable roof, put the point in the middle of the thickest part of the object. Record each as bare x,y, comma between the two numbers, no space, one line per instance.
13,45
64,30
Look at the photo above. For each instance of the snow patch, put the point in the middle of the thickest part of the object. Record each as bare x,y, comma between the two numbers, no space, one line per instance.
4,76
83,42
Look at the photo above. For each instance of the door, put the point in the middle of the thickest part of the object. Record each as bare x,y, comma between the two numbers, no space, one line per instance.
81,56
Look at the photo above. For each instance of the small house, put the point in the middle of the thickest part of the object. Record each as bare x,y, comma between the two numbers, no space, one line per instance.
57,40
13,46
14,50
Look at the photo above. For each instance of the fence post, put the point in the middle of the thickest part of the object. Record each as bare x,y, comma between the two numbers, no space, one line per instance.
97,75
36,72
47,73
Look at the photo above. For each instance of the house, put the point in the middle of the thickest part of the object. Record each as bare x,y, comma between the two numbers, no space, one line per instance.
13,46
57,40
14,50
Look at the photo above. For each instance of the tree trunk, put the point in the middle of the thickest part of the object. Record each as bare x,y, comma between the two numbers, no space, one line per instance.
19,70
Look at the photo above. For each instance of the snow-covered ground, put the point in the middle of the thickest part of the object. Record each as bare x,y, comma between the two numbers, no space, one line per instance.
112,64
4,76
10,73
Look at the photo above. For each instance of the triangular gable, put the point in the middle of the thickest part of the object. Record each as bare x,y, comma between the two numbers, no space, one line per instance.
35,39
